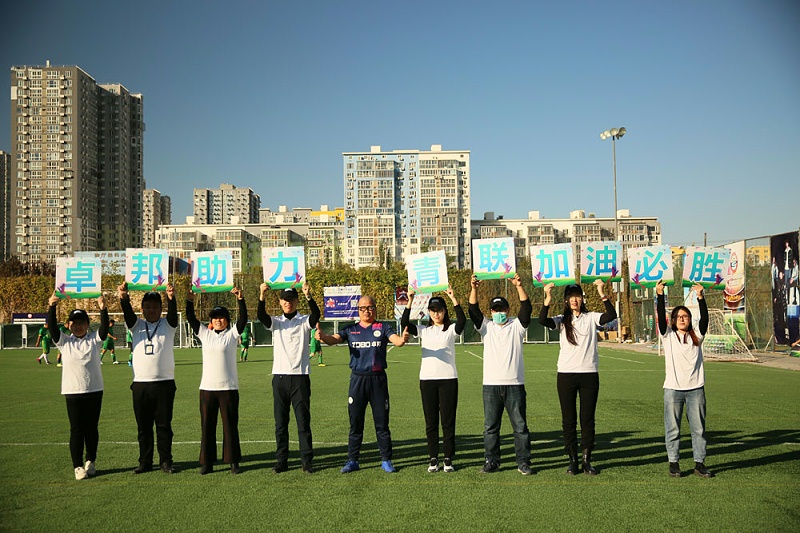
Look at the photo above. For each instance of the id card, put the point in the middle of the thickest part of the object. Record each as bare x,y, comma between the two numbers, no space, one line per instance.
148,348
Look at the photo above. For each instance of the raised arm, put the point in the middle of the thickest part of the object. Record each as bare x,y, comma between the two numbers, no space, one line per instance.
315,315
461,319
262,315
701,301
544,319
474,311
102,333
241,319
125,303
661,308
172,306
525,307
610,313
405,320
191,317
52,320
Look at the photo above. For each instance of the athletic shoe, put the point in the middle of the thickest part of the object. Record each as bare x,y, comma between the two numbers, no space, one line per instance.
130,363
307,468
102,363
116,362
350,466
525,469
448,465
59,365
90,469
489,467
39,359
206,469
167,468
434,465
80,473
280,467
388,467
234,468
322,364
674,470
142,468
701,470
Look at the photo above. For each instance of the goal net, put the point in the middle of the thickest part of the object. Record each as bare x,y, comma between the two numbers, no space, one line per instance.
722,342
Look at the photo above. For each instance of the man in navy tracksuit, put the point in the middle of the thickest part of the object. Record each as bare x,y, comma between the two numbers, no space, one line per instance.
367,340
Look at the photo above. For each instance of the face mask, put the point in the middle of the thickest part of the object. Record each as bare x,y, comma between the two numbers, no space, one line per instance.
499,318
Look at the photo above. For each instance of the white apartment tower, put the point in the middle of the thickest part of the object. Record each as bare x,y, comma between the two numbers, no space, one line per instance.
405,202
156,211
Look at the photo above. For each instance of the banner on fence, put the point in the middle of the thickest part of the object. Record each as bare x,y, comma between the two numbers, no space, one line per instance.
735,280
419,308
341,302
785,293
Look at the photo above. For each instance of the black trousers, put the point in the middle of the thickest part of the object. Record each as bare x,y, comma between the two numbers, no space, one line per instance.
83,411
152,403
292,391
440,399
226,402
372,389
570,385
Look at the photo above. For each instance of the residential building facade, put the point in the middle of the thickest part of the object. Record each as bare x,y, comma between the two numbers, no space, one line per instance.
226,205
156,211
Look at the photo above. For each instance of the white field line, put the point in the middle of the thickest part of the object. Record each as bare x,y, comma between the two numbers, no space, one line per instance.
474,354
621,359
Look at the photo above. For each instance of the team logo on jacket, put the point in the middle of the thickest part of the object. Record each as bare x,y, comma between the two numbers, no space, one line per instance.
376,333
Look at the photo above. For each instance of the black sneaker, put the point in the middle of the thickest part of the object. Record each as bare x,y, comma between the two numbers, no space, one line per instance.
206,469
489,467
280,467
433,466
701,470
307,468
674,470
525,469
448,465
142,468
235,468
167,468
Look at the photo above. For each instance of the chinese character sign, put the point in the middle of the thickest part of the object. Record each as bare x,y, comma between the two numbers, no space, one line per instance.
494,258
146,269
78,278
212,271
649,264
427,272
553,263
706,266
601,260
284,268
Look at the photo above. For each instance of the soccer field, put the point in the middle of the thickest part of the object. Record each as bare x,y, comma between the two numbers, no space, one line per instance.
754,449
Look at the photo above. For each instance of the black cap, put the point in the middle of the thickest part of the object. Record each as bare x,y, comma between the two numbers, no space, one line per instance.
573,290
289,294
151,296
498,303
436,303
220,312
78,314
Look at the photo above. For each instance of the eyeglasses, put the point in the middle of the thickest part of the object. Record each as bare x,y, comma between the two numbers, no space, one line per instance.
365,308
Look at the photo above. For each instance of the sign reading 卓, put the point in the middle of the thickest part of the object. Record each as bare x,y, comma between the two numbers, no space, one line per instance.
212,271
78,278
553,263
494,258
284,268
146,269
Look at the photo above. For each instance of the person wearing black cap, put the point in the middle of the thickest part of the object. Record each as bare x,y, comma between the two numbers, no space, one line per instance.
438,378
503,375
153,386
219,384
291,382
81,381
577,367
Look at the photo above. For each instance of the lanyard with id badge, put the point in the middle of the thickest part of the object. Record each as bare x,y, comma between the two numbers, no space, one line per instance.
148,346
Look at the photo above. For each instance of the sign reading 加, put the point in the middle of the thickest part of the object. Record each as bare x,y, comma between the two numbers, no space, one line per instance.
706,265
146,269
284,268
553,263
427,272
494,258
601,260
212,272
649,264
78,278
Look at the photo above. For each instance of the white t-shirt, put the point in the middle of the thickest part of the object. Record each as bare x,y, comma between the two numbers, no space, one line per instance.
581,358
290,338
80,359
153,350
438,352
503,363
684,362
219,359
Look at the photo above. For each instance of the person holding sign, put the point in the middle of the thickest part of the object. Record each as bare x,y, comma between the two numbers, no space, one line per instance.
685,381
291,382
81,381
438,378
153,384
503,375
577,367
367,340
219,385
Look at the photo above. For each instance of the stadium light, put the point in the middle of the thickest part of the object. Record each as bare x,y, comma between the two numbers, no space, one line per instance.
614,134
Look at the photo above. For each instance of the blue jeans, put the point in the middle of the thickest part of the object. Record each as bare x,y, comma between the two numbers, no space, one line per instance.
513,399
695,402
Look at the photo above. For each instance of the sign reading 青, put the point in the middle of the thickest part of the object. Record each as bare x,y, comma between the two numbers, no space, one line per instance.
494,258
553,263
212,271
284,268
146,269
707,266
427,272
601,260
649,264
78,278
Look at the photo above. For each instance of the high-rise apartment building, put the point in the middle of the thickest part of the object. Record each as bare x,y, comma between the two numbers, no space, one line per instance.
405,202
226,205
156,211
5,205
76,163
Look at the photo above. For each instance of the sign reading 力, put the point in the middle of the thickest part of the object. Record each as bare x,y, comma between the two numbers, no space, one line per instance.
494,258
707,266
427,272
212,272
649,264
78,278
601,260
553,263
284,268
146,269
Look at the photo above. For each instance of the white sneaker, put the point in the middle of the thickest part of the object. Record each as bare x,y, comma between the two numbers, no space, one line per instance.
90,469
80,473
448,465
434,465
116,362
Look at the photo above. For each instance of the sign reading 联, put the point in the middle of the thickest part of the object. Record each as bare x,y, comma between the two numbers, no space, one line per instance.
427,272
706,265
601,260
494,258
553,263
649,264
212,271
146,269
78,278
284,268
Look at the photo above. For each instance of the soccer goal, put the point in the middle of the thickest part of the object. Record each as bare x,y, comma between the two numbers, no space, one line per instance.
722,342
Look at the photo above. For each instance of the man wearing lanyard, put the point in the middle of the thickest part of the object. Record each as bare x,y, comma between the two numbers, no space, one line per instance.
153,384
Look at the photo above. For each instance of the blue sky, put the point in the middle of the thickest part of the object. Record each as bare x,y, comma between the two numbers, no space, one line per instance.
269,94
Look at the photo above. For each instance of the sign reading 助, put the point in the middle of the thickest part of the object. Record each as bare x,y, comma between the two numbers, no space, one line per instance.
212,271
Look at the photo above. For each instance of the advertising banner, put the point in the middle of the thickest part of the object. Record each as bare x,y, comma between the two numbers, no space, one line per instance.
341,302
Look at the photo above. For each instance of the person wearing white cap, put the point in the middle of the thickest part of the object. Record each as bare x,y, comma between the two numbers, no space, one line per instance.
503,375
